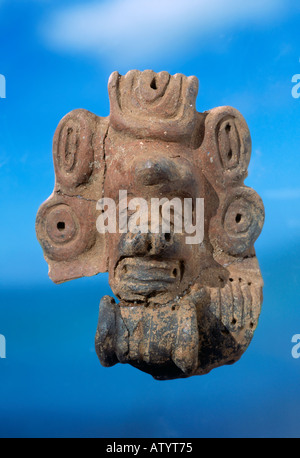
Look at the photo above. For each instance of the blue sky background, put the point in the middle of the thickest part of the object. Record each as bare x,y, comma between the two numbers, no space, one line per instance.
57,56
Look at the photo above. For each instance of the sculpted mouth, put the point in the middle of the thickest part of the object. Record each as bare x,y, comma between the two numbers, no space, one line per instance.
144,277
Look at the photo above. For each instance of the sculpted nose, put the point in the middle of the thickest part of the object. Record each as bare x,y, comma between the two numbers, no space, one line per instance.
145,244
135,244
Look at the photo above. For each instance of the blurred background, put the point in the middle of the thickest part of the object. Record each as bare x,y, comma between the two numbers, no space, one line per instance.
57,56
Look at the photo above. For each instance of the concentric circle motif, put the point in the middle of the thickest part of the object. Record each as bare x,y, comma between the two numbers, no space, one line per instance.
62,225
238,222
66,228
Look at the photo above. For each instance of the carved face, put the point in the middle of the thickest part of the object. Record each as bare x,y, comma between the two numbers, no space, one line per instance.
184,307
152,266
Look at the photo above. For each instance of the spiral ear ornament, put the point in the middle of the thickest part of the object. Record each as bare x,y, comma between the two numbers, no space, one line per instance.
73,151
226,150
238,222
65,228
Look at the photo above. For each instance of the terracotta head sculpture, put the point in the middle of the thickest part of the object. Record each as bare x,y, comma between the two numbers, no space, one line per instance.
189,291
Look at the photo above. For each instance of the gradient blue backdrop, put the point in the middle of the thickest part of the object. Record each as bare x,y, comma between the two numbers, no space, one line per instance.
57,56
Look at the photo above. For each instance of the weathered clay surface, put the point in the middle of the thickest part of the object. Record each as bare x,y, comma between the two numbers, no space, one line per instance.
183,309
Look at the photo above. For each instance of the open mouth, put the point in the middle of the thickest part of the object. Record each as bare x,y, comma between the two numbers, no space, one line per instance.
144,277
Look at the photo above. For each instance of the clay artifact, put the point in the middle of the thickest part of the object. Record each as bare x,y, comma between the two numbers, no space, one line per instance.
154,194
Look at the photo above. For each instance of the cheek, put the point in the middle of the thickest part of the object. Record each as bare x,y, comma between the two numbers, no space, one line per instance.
189,252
